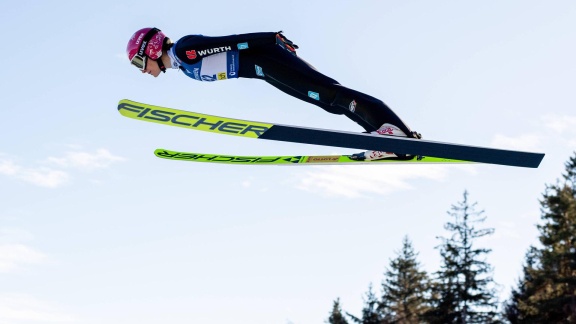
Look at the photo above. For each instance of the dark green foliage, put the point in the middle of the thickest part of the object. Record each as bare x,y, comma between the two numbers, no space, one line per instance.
517,310
404,288
403,292
547,291
370,312
336,316
463,290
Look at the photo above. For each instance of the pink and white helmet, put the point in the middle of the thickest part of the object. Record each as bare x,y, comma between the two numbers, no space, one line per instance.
146,42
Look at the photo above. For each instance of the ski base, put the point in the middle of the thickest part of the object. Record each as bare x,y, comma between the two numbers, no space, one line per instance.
292,159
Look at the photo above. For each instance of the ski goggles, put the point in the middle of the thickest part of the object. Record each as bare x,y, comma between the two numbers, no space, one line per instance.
139,62
140,59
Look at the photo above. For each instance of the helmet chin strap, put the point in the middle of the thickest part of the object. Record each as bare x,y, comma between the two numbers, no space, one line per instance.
161,64
165,46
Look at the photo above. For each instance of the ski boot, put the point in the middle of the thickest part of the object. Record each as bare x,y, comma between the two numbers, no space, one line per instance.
385,130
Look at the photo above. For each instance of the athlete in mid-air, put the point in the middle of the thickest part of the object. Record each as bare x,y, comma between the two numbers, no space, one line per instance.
269,56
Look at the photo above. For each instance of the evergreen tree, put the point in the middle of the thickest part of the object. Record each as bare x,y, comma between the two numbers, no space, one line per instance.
518,309
443,301
464,291
404,287
370,313
547,293
336,316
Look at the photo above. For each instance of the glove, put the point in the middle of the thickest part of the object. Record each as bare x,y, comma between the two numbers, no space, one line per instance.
285,43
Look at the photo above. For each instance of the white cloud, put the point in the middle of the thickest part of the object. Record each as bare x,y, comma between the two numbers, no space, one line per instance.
52,178
561,129
20,308
13,253
525,142
560,124
42,177
8,234
564,127
102,158
8,167
14,256
354,181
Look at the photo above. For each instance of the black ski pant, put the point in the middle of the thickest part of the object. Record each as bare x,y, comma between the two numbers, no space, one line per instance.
299,79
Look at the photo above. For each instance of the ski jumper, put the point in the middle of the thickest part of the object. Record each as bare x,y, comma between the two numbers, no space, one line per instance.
271,57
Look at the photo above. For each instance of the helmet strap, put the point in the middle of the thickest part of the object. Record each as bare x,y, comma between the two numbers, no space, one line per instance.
161,64
165,47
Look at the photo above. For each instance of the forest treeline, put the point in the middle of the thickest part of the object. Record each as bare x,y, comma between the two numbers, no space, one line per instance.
463,290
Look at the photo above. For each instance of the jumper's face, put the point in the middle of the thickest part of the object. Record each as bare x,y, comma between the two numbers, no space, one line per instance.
152,68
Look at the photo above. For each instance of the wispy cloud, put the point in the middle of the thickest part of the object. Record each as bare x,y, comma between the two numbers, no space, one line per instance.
20,308
563,127
14,254
42,176
53,176
524,142
9,234
353,181
560,124
100,159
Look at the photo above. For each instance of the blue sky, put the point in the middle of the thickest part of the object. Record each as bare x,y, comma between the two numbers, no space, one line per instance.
95,229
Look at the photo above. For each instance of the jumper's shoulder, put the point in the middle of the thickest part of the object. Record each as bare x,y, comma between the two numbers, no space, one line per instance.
193,48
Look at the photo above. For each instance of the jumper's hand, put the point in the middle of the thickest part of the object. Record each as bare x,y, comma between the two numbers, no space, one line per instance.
285,43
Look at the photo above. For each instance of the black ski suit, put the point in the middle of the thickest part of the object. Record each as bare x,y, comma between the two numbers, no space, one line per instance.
272,57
